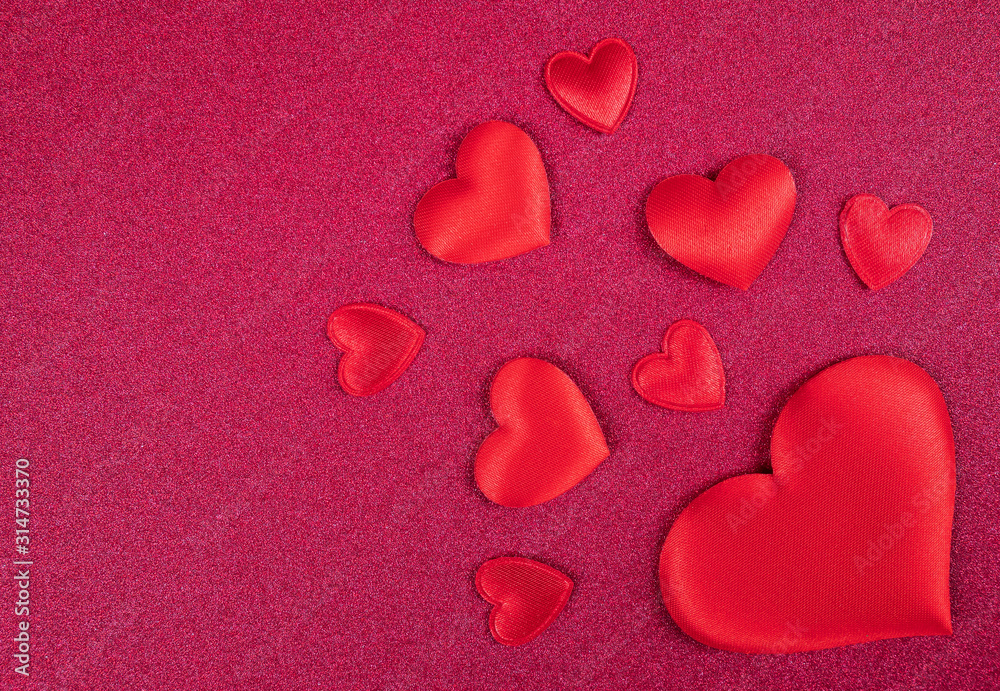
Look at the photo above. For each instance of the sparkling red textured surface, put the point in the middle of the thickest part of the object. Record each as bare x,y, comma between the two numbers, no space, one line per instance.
187,194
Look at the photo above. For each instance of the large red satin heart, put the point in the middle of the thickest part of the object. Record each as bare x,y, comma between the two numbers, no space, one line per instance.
882,244
496,207
687,375
596,90
848,541
378,344
729,229
547,439
527,596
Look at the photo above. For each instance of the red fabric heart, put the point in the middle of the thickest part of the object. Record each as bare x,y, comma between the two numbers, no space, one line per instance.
596,90
848,541
729,229
378,344
527,597
687,375
496,207
547,439
880,243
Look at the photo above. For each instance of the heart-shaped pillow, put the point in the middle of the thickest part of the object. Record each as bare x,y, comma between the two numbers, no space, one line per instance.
687,375
596,90
847,541
378,344
496,207
547,439
881,243
527,596
729,229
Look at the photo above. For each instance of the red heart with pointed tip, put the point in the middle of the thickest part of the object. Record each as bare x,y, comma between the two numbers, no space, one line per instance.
378,344
882,244
496,207
596,90
527,596
729,229
547,439
847,541
687,375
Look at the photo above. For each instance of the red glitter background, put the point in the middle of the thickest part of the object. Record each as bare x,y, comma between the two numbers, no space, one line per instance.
187,193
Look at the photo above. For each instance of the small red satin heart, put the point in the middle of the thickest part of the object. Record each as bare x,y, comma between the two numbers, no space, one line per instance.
527,596
729,229
882,244
378,344
596,90
847,541
547,439
687,375
496,207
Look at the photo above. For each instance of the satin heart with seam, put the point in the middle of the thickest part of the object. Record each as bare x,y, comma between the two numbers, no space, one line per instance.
848,540
526,595
547,438
728,229
597,89
687,375
378,344
881,243
497,205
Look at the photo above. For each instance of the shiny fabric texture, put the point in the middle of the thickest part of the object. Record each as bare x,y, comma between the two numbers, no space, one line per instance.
687,375
847,541
728,229
547,438
496,207
378,344
526,595
881,243
190,190
596,90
